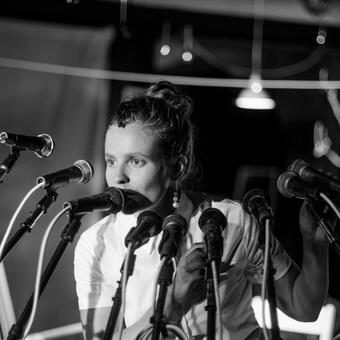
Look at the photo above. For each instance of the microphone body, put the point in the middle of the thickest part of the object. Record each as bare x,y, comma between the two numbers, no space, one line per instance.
42,145
80,172
289,184
149,224
257,203
313,176
212,222
174,228
112,200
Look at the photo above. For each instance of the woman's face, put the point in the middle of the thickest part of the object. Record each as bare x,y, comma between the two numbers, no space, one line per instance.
134,161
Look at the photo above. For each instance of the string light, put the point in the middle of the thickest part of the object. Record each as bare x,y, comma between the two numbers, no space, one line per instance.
165,40
321,36
188,43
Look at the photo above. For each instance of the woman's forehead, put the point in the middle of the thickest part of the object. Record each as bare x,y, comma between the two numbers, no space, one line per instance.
133,138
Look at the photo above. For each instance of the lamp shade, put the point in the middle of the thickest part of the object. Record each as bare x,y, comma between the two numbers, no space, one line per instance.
259,100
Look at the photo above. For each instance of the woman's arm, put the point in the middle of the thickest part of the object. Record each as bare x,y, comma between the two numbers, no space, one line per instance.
301,293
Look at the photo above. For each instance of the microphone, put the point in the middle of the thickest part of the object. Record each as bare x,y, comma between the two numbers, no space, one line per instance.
257,203
42,145
313,176
174,228
289,184
212,222
80,172
149,224
112,200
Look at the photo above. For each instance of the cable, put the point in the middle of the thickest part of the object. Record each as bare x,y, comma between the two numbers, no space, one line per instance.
217,301
330,203
152,78
278,72
124,282
145,333
15,215
264,278
154,290
39,269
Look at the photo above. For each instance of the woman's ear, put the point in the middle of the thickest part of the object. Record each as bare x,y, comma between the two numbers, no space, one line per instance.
179,167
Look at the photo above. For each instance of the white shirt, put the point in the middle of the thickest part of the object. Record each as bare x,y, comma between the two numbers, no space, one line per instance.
100,253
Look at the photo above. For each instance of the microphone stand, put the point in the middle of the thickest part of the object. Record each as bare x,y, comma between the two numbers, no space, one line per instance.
8,162
214,245
117,299
164,281
211,303
28,224
332,237
275,331
67,236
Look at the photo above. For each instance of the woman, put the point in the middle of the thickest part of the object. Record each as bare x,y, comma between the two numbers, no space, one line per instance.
149,149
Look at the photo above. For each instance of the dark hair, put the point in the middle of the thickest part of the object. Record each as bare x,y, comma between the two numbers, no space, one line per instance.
166,114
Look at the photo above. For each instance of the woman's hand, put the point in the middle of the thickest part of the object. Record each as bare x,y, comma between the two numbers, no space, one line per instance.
309,226
189,287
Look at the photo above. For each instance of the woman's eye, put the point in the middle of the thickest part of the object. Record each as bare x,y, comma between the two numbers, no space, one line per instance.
110,161
137,162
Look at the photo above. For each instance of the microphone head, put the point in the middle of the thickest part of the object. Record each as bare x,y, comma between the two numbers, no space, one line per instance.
152,220
212,217
134,201
298,166
48,147
257,203
86,170
284,181
112,201
174,229
289,184
3,137
118,199
175,220
254,197
149,224
80,172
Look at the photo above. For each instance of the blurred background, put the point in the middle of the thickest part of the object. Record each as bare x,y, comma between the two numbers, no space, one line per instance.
65,65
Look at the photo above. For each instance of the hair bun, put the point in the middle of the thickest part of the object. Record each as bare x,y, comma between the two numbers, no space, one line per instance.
170,94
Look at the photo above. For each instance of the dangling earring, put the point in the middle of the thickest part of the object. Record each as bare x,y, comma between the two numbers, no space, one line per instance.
176,197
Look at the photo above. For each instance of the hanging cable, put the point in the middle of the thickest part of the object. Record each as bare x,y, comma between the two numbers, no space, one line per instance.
15,215
39,269
152,78
330,203
218,302
264,279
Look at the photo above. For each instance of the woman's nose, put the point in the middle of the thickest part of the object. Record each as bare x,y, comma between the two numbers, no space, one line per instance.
120,175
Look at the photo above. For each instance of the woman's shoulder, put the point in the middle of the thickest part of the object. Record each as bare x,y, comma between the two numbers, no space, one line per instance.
202,200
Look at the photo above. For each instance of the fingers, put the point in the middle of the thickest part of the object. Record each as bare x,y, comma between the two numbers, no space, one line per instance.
193,262
309,226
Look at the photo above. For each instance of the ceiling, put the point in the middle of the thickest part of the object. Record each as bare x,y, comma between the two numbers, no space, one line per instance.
294,11
297,11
